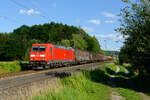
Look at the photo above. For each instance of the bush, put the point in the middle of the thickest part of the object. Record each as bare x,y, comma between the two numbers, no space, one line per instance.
8,67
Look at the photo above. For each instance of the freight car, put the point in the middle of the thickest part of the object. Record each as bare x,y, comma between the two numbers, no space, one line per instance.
82,56
49,56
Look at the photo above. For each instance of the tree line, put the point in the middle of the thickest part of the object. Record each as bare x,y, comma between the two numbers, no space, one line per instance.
112,53
16,45
135,27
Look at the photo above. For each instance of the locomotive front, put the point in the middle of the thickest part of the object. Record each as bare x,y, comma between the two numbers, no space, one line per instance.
38,56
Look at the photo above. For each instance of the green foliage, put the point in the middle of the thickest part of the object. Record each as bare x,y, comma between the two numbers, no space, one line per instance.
79,42
8,67
123,56
92,85
3,38
121,82
65,43
117,62
129,94
16,45
135,25
93,44
78,87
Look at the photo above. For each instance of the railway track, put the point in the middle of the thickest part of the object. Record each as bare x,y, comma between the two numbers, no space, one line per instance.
23,86
28,72
20,78
16,73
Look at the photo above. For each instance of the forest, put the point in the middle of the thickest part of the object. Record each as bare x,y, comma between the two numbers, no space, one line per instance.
135,25
16,45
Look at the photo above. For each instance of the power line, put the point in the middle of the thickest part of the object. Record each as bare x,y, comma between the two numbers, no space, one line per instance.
19,4
23,6
13,20
33,4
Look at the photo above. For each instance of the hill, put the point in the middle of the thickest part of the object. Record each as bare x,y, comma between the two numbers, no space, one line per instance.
16,45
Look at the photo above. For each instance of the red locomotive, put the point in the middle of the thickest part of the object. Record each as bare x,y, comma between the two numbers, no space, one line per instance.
49,55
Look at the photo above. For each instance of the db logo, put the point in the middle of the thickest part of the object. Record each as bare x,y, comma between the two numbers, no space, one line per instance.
38,54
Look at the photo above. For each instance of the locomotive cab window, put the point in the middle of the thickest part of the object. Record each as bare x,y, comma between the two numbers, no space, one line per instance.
38,48
35,48
42,48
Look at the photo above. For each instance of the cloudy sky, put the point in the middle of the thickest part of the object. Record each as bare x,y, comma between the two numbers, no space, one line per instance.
97,17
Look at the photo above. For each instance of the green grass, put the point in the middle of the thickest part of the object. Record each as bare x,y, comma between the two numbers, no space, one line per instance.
148,93
128,94
120,80
8,67
78,87
91,85
110,69
111,66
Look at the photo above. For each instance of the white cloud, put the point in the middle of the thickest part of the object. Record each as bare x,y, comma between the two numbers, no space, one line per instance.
94,21
113,37
29,12
107,14
87,29
22,11
109,21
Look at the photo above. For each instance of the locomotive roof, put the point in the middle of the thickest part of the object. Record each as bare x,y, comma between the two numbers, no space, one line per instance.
44,44
63,47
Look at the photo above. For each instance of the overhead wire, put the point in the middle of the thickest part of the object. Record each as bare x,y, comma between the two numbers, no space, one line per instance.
19,4
27,8
33,4
12,20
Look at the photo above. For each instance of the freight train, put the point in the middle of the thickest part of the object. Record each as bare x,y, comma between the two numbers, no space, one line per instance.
47,55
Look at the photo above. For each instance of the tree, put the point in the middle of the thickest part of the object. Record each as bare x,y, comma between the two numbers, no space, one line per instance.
17,44
3,38
78,42
93,44
65,43
135,25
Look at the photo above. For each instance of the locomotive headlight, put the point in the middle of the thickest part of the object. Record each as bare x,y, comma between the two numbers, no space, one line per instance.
32,55
42,55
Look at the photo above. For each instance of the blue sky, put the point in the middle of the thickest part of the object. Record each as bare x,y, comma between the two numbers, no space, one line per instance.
96,17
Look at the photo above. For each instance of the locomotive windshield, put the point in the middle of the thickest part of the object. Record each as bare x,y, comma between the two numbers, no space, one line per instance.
38,48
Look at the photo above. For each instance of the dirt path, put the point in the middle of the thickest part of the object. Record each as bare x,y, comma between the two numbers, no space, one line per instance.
115,95
144,96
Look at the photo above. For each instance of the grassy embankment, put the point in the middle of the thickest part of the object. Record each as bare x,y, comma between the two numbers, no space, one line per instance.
120,80
8,67
91,85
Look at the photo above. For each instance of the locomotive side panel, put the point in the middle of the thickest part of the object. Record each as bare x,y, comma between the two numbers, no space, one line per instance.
62,55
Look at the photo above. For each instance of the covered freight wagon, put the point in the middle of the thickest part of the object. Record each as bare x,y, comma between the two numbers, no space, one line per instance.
82,56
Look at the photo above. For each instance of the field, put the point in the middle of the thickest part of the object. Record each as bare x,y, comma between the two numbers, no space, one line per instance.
8,67
93,85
